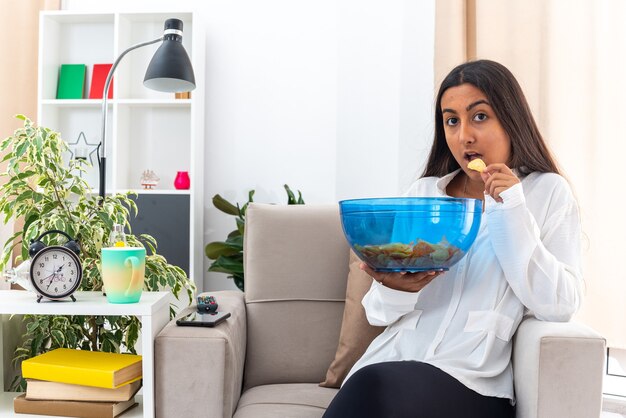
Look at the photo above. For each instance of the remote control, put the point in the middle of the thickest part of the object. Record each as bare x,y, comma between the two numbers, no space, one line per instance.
207,304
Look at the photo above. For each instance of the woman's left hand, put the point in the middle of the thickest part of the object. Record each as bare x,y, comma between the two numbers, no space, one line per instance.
498,178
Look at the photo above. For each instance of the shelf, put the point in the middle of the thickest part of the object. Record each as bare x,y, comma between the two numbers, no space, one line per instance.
157,191
87,303
110,102
74,102
155,102
143,191
6,407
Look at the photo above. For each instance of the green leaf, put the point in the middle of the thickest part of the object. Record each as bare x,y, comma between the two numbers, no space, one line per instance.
150,242
107,347
8,249
243,210
5,142
71,338
8,156
35,346
235,241
39,141
240,225
60,225
215,249
28,194
291,199
225,206
132,334
108,222
58,339
21,149
238,278
44,323
227,265
32,326
234,234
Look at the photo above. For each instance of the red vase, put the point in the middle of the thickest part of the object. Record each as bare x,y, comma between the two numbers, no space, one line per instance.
182,182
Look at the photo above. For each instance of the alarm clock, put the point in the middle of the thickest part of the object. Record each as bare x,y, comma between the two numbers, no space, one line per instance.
55,270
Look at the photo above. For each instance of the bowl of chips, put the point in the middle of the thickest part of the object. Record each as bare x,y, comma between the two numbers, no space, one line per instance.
410,233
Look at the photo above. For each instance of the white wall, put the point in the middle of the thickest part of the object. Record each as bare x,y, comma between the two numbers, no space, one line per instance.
333,97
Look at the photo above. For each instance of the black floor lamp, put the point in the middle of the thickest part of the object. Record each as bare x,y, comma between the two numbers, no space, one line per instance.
169,70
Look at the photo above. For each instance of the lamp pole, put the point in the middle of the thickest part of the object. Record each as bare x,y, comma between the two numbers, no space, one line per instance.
102,161
169,70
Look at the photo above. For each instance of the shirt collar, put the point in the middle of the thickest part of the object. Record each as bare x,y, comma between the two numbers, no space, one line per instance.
443,182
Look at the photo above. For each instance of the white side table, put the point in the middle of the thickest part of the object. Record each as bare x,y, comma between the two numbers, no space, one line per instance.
152,311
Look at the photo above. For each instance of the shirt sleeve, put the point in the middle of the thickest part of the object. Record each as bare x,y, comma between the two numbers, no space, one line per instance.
384,306
540,263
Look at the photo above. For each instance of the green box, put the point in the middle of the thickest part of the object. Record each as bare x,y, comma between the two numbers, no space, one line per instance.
71,81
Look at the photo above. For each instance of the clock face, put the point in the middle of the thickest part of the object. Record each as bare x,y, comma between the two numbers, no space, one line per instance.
55,272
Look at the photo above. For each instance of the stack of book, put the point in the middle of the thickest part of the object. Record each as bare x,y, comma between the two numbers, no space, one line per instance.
78,383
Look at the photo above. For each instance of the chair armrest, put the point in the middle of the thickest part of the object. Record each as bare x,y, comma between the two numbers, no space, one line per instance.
558,369
199,370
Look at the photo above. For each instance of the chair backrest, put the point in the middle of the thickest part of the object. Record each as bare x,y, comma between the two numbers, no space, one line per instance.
296,267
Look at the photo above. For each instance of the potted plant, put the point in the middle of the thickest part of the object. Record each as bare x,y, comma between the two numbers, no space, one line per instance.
48,193
228,254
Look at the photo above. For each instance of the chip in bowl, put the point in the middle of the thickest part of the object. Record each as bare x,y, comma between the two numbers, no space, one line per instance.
410,234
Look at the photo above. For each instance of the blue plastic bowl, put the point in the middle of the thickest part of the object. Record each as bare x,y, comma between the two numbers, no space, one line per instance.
411,233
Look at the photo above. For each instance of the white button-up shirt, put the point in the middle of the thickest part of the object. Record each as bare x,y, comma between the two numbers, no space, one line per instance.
526,258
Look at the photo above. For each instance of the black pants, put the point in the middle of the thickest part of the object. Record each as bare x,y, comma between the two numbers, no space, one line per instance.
410,389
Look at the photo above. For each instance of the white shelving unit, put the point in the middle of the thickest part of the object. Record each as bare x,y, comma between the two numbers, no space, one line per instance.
147,130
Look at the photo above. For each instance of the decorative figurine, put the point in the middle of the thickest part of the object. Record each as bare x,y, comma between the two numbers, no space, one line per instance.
149,180
80,149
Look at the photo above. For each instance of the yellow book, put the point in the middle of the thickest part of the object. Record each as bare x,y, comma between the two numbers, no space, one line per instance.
82,367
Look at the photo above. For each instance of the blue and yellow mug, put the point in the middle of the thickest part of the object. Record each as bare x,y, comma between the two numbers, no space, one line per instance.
123,272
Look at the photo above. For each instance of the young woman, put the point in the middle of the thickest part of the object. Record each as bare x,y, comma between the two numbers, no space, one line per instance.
446,351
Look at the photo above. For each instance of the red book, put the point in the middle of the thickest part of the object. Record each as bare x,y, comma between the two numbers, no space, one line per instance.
98,78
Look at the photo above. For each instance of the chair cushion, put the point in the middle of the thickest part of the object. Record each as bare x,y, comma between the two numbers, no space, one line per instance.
290,341
295,259
356,333
294,400
294,252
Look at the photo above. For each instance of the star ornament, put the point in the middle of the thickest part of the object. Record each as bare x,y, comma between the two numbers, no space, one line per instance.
80,149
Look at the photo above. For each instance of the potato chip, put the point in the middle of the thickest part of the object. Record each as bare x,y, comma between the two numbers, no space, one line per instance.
477,165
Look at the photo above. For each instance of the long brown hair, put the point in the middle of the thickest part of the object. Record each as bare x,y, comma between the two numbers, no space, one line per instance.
529,152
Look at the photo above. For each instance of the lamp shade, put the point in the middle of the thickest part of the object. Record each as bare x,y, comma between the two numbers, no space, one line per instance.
170,69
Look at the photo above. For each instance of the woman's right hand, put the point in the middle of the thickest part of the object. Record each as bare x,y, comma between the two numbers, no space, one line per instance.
406,282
